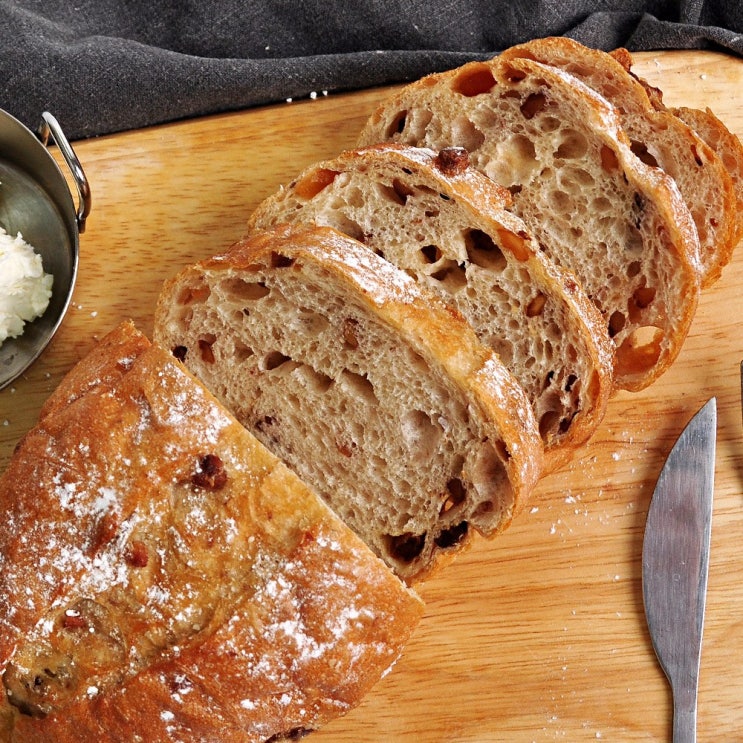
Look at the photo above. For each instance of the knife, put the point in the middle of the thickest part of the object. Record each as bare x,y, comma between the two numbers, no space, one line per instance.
675,562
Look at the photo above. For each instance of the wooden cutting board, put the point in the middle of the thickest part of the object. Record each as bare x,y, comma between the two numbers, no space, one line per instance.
540,634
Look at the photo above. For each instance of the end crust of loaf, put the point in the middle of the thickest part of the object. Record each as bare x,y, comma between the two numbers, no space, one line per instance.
164,577
366,384
447,225
658,138
619,225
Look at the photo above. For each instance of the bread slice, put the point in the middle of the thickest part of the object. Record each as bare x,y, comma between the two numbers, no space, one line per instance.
366,384
164,577
658,138
706,125
619,225
728,148
447,225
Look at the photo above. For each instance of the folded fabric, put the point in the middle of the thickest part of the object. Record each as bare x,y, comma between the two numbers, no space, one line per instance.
103,65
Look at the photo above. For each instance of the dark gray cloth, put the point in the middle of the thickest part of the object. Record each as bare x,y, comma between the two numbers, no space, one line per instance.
108,65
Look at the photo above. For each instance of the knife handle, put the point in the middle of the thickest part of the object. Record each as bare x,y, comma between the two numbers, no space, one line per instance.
685,717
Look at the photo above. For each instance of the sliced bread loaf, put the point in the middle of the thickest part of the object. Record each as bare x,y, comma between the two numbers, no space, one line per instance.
447,225
165,578
658,138
619,225
365,383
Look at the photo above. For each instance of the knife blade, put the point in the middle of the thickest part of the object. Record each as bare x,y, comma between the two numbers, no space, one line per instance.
675,563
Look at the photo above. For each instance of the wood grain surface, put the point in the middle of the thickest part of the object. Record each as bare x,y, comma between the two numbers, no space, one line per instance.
538,635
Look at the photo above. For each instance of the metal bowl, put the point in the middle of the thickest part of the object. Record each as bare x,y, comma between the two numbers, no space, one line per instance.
35,200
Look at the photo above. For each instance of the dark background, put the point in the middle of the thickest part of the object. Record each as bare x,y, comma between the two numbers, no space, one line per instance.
107,65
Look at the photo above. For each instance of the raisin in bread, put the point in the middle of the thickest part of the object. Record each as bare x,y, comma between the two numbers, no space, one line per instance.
366,384
447,225
619,225
165,578
658,138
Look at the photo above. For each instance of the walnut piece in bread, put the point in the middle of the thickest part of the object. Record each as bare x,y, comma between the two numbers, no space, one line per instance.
164,577
448,226
365,383
618,224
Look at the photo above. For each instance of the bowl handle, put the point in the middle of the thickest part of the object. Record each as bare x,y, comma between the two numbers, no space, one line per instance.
50,125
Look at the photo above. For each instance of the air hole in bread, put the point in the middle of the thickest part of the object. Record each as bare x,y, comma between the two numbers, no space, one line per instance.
451,275
548,423
397,125
314,182
488,472
560,202
642,298
431,253
475,79
515,163
566,422
601,205
350,334
397,193
194,294
273,360
513,74
549,124
455,495
405,547
278,260
238,290
695,153
290,735
180,352
242,352
349,227
574,145
421,435
452,536
315,380
641,151
205,348
617,321
466,135
640,351
533,105
609,159
536,305
482,250
359,386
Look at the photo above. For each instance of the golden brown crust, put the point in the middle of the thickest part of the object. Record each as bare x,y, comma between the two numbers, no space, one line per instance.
199,599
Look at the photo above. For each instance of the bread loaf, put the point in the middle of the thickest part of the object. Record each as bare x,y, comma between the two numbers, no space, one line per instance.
619,225
447,225
657,137
365,383
165,578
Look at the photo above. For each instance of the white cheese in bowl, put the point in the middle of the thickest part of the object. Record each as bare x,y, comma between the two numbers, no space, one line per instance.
25,289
